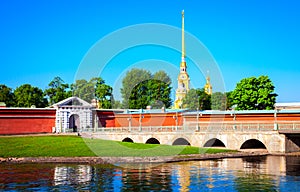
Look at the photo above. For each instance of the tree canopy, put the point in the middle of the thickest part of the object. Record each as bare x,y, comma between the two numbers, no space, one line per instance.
103,93
131,80
84,89
162,76
57,90
95,88
218,101
6,95
229,103
141,88
28,96
197,99
254,94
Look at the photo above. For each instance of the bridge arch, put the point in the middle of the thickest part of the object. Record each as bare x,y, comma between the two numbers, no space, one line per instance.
253,144
214,142
127,139
181,141
152,140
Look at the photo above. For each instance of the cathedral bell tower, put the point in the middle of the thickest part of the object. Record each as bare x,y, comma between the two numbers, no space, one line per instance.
183,77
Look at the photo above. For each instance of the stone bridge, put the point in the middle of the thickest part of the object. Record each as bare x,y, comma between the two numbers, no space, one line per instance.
275,138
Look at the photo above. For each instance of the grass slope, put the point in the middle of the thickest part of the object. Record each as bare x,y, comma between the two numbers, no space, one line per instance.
44,146
74,146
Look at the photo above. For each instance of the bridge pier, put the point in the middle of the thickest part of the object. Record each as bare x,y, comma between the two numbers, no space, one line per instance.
292,143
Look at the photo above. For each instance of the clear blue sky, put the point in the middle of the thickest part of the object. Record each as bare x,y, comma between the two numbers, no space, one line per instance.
44,39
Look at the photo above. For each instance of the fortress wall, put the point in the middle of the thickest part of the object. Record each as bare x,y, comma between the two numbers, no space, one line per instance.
26,120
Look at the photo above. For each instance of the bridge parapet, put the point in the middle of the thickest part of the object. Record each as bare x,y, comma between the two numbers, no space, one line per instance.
142,129
294,126
207,127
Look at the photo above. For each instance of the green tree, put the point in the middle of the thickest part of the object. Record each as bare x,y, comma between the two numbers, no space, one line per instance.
218,101
197,99
95,88
116,104
254,94
57,90
204,100
160,90
132,79
191,100
6,95
162,76
28,96
138,96
103,93
159,94
154,91
84,89
229,103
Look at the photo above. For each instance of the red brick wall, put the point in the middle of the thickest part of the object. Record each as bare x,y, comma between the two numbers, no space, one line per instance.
23,121
106,118
208,118
154,119
111,119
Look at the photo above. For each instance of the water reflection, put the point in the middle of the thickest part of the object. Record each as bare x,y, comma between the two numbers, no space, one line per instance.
22,176
149,178
269,173
64,175
293,167
256,175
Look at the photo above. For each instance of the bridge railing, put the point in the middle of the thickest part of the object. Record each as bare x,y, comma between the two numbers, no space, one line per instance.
232,126
141,129
205,127
289,126
247,126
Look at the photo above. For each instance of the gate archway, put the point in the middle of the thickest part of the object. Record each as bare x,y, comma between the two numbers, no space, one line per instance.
74,122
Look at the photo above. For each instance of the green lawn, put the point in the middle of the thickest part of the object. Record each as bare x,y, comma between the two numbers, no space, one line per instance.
74,146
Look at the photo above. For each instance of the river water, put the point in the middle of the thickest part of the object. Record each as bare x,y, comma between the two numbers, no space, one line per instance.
267,173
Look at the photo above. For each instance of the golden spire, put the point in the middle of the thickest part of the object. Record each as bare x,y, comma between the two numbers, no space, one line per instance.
207,86
183,77
182,38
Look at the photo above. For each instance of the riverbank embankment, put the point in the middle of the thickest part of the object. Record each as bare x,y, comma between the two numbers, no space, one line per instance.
114,160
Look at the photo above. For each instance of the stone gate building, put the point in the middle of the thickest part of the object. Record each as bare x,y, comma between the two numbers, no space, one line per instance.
73,115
